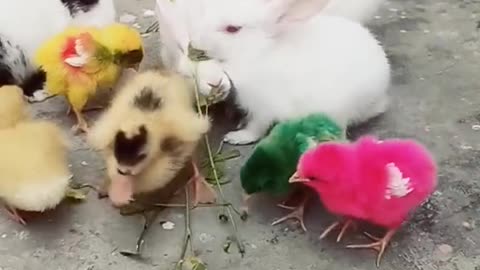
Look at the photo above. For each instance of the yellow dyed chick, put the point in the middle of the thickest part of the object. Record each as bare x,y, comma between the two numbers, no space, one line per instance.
148,135
12,106
34,173
81,60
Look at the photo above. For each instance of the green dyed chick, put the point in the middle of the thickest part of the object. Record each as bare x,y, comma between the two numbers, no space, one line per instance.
274,159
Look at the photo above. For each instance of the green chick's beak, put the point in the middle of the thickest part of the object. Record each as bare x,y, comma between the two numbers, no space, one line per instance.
296,179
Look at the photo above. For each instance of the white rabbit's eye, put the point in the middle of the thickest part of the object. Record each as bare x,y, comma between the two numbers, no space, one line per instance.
232,29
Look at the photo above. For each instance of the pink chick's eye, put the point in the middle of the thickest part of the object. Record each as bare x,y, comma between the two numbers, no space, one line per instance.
232,29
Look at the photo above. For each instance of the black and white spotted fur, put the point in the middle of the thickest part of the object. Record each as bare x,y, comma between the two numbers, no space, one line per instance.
26,24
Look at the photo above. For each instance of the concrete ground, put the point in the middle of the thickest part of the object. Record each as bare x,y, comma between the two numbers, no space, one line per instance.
434,50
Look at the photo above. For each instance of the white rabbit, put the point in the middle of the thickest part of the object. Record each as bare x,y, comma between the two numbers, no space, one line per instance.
176,19
26,24
287,63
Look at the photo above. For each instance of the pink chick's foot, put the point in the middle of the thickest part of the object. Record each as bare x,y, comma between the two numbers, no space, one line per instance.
202,191
330,228
13,214
297,214
121,190
379,245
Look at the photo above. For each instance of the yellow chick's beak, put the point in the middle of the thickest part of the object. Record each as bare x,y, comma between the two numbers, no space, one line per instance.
296,179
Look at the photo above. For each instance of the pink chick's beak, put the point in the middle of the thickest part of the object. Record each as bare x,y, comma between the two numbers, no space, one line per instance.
296,179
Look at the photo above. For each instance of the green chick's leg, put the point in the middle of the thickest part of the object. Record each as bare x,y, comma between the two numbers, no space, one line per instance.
346,224
13,214
298,213
244,208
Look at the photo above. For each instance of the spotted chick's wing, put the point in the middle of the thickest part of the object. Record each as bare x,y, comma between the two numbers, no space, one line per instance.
275,158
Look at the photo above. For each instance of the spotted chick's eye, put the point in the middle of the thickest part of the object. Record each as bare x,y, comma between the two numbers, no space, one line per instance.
232,29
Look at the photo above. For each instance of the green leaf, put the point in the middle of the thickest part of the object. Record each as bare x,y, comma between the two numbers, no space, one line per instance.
197,55
75,194
193,263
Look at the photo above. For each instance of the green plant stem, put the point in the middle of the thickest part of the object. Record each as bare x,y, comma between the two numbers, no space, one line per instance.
188,232
240,245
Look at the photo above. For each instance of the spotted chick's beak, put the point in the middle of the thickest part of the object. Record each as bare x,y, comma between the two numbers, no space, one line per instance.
296,179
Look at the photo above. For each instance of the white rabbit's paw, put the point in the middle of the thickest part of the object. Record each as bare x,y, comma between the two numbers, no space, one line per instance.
217,91
213,82
241,137
38,96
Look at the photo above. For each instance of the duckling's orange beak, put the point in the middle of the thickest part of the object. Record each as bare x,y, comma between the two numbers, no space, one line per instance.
296,179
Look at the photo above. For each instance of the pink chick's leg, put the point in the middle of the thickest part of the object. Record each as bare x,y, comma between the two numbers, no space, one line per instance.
13,214
297,214
202,191
379,245
330,228
120,191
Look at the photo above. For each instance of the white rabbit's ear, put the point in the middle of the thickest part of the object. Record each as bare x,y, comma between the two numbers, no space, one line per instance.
172,21
291,11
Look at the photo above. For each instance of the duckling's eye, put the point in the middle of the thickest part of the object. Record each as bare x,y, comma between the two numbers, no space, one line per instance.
232,29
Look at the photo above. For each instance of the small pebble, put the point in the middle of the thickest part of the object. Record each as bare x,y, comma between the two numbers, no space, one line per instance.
84,163
393,9
168,225
4,235
137,25
426,31
127,18
476,127
465,147
403,31
467,225
445,249
205,237
444,252
148,13
69,165
378,17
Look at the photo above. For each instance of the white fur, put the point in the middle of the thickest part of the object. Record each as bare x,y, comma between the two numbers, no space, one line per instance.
341,71
284,69
12,56
30,23
50,192
177,20
101,15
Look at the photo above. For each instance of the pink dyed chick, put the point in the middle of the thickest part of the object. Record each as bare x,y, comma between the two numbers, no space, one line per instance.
380,182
